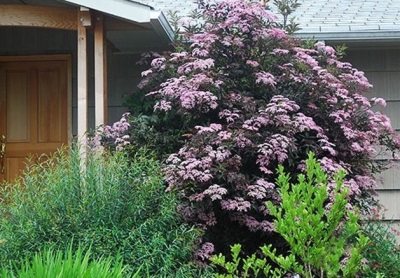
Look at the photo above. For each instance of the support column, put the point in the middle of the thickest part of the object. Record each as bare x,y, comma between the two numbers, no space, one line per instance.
82,61
100,72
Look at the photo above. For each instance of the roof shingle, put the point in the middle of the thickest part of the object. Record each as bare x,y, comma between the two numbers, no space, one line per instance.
325,19
348,15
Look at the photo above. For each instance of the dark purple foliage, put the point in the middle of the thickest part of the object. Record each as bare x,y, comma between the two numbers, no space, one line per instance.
261,98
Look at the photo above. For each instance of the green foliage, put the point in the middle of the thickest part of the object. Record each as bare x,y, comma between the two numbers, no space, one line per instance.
251,264
323,242
55,263
341,50
382,254
115,205
150,131
328,241
286,8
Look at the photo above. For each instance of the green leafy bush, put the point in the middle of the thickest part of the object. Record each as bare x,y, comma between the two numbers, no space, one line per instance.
382,253
51,263
242,267
116,205
323,241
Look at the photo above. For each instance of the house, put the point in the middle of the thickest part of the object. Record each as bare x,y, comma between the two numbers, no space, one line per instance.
371,31
58,59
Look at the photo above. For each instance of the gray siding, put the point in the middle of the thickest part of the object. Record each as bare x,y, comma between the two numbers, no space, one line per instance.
382,67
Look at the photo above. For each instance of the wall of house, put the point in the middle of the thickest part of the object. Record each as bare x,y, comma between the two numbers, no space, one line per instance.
123,72
382,68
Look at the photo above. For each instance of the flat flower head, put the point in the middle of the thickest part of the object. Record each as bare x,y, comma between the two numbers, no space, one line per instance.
265,78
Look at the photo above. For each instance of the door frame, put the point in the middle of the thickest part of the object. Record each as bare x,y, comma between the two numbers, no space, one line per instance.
52,57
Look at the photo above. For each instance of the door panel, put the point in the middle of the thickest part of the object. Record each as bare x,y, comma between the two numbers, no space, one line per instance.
14,166
33,115
17,96
49,104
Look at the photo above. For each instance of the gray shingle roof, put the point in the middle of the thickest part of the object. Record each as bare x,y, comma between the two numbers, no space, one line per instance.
183,7
326,19
349,18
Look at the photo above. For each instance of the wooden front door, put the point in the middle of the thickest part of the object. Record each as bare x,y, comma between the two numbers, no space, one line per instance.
33,110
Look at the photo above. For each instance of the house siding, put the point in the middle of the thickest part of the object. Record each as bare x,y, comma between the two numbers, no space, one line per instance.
382,68
123,72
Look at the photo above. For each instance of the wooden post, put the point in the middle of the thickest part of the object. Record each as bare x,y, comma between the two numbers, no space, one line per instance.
100,72
83,19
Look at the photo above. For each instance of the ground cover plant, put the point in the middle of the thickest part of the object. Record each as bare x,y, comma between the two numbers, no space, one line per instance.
50,263
240,98
114,205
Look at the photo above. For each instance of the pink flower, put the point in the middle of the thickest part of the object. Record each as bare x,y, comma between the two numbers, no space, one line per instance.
178,55
237,204
163,105
158,63
328,50
215,192
276,33
146,72
205,251
252,63
280,51
265,78
259,189
379,101
210,128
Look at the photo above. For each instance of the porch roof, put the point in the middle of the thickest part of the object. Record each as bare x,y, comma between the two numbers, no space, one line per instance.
144,28
156,33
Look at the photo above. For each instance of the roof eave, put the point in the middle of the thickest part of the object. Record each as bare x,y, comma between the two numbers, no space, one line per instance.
131,11
155,22
351,36
161,26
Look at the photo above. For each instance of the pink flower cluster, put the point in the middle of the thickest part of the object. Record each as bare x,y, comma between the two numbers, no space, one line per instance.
259,98
117,133
188,93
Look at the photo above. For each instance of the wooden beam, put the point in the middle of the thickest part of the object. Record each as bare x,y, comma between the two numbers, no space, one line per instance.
38,16
82,79
85,17
100,71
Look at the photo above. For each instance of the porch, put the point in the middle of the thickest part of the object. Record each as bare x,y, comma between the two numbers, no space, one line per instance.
98,46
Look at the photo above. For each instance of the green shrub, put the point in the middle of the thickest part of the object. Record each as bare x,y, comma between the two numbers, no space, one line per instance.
382,254
116,205
51,263
323,242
